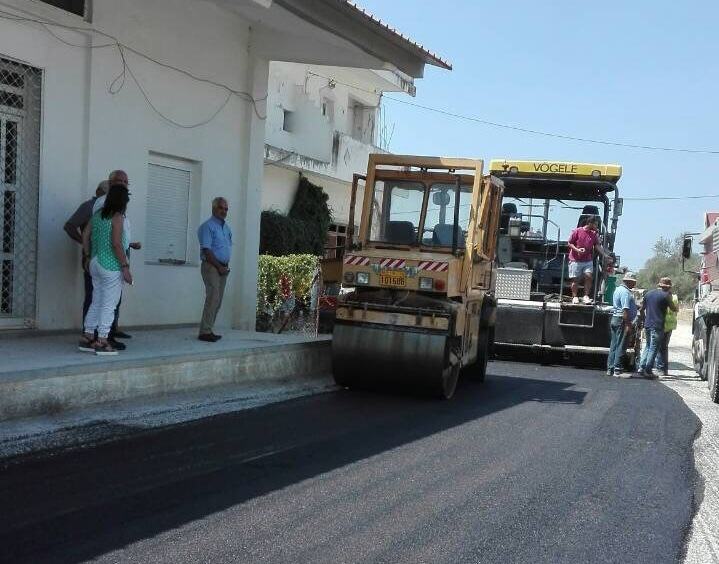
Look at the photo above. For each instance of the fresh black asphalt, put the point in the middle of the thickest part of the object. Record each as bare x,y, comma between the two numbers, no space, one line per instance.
538,464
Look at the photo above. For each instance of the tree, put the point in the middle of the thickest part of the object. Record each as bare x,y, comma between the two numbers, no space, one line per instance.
667,261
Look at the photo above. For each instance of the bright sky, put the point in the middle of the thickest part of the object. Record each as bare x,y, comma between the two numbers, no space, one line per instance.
637,72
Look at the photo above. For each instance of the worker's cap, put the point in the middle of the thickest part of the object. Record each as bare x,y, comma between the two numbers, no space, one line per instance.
629,277
665,282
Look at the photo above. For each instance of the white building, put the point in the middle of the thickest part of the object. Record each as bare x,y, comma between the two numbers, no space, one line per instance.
323,122
175,93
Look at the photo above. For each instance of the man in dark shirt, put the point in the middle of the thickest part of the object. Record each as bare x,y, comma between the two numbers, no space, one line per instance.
74,226
654,308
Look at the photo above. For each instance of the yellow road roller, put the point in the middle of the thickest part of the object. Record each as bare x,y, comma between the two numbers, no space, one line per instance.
422,275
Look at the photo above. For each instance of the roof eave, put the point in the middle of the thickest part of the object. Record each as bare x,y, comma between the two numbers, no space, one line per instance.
344,19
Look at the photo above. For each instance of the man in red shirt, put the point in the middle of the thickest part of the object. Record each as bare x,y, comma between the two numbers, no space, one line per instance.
582,243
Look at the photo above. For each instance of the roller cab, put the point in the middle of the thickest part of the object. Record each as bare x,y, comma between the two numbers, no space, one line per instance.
421,275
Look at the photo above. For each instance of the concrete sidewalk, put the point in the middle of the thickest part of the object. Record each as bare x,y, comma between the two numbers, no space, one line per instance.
41,375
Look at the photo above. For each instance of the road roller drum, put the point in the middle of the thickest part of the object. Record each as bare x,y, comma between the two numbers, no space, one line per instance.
388,358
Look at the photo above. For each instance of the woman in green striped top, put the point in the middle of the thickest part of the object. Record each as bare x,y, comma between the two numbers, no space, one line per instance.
104,244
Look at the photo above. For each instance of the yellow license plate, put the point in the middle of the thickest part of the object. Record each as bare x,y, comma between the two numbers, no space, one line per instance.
397,278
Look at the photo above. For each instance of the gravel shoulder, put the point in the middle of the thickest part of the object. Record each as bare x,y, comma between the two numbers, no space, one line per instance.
702,545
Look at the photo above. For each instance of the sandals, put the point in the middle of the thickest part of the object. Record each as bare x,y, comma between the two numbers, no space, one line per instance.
86,345
95,346
104,349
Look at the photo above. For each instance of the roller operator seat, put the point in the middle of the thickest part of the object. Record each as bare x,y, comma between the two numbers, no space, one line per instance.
400,232
442,235
508,210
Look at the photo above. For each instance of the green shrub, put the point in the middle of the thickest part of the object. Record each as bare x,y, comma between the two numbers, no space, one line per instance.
278,233
310,207
303,230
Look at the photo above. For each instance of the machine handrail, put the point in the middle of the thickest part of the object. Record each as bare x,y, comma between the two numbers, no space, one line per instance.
594,295
546,247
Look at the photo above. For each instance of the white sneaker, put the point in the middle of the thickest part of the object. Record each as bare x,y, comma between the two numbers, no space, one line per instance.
575,300
587,300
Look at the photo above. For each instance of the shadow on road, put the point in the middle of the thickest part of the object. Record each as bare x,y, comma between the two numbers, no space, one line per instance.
77,505
680,366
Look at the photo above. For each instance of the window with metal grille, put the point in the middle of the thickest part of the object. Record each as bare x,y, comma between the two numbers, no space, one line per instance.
10,152
6,293
168,206
20,102
74,6
8,232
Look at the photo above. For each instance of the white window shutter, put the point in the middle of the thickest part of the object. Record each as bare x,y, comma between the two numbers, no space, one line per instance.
168,199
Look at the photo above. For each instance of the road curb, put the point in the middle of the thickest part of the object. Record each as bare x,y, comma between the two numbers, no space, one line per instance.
46,392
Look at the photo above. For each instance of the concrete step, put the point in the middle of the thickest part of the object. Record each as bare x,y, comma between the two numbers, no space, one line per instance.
46,375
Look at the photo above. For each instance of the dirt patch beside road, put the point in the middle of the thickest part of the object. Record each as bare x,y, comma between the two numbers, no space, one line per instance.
702,544
685,315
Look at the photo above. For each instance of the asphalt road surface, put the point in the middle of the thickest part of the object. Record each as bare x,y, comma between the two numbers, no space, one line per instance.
539,464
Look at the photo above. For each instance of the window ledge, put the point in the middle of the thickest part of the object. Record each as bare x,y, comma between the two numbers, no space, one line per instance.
165,263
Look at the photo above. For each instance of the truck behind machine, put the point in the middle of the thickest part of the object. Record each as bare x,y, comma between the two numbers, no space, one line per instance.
705,324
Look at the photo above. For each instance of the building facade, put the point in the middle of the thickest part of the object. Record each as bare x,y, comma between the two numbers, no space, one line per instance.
323,122
175,92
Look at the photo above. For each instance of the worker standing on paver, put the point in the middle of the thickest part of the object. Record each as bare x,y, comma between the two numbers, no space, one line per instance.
623,316
582,243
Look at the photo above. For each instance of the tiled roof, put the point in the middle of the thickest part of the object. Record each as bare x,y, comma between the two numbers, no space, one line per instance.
429,56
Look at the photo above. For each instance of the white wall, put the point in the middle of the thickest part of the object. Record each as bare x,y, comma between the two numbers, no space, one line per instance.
87,132
297,87
279,186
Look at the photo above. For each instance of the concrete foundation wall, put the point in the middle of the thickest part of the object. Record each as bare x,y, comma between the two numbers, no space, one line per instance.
26,395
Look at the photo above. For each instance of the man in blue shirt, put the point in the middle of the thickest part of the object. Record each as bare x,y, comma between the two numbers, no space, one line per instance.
655,305
623,315
215,240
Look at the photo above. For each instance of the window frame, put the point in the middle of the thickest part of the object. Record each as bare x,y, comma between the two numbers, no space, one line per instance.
194,168
423,211
288,120
69,10
428,183
469,217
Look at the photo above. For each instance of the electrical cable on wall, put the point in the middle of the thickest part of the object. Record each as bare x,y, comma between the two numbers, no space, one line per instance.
118,83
